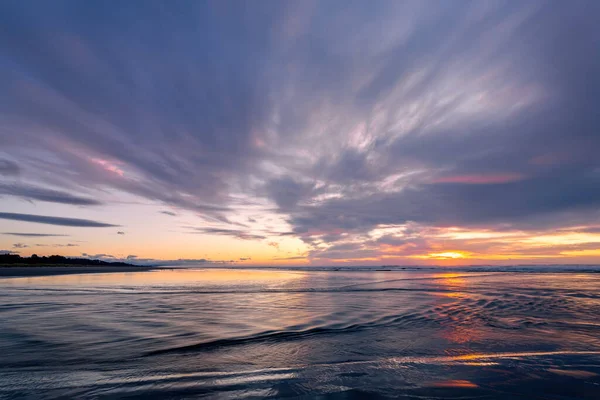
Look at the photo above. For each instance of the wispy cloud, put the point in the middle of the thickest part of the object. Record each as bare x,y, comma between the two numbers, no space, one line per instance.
9,168
467,115
158,262
29,234
237,233
61,221
289,258
30,192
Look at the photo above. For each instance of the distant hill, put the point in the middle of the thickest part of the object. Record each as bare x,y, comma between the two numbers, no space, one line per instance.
15,259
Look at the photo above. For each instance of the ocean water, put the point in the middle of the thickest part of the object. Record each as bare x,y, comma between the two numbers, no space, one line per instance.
181,334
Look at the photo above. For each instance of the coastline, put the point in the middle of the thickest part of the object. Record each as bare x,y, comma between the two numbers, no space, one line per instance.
7,271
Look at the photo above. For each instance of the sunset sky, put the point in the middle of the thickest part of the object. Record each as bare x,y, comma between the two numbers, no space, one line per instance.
301,132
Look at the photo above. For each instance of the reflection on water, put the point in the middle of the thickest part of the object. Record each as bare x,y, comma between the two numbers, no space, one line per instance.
458,383
269,333
451,279
159,276
459,328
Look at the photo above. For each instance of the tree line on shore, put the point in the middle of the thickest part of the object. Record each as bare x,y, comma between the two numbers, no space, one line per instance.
12,259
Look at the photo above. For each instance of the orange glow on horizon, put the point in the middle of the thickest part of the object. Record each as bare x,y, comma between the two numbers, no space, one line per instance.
443,246
445,255
448,254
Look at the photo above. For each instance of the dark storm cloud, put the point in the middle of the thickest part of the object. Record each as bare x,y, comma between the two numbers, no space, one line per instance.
31,234
30,192
42,219
345,116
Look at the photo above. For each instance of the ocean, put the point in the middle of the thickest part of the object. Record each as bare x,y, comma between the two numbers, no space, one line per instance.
301,333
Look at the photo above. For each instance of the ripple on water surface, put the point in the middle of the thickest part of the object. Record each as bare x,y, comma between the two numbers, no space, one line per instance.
246,333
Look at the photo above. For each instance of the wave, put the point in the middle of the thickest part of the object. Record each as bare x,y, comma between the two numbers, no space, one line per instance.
507,312
233,291
296,334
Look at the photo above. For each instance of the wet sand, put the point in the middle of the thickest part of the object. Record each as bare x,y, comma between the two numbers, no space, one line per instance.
7,271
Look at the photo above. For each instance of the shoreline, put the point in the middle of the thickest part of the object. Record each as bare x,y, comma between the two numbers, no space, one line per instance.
7,271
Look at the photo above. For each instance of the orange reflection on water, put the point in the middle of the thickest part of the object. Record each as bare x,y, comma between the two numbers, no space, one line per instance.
451,279
484,356
451,283
461,335
454,383
573,373
462,330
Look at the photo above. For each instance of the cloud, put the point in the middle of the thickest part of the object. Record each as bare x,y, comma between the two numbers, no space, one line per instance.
29,234
289,258
237,233
287,192
30,192
41,219
4,252
9,168
98,256
66,245
483,179
274,244
471,115
245,258
20,246
120,233
171,213
181,262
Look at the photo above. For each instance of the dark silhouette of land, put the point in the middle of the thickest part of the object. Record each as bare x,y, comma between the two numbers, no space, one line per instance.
35,260
13,265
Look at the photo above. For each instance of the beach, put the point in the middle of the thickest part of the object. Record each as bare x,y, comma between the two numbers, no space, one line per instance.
231,333
24,271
